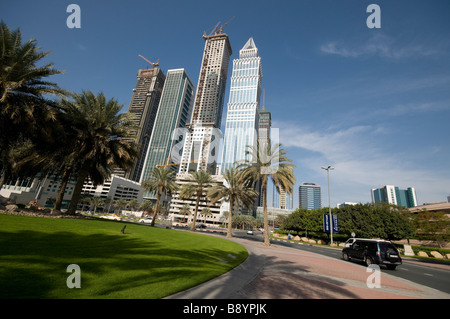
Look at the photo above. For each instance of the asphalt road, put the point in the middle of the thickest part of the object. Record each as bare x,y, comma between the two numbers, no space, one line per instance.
422,273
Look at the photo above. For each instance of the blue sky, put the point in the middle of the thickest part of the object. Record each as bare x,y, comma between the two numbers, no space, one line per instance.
373,103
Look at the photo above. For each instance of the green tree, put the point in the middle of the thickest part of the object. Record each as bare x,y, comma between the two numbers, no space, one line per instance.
235,191
268,161
120,204
146,206
133,203
161,181
97,201
26,112
433,226
99,136
85,201
185,210
198,183
206,212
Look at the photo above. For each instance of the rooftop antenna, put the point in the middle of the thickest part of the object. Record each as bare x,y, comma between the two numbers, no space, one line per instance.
264,98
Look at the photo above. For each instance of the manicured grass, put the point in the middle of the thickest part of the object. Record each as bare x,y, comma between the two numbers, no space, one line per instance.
145,262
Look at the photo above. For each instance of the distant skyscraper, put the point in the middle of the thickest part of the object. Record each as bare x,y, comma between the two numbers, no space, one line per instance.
174,110
394,195
265,122
243,105
144,105
310,196
201,146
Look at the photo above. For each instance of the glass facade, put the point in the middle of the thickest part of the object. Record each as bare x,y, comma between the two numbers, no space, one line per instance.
243,105
310,196
173,113
394,195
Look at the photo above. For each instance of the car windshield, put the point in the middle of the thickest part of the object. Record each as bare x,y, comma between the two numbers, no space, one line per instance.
387,248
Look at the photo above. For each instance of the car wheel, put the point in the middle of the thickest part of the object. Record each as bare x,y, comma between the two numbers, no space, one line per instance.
368,261
345,256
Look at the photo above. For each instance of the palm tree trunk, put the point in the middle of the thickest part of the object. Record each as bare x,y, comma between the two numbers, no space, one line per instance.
3,179
77,190
64,180
266,219
158,197
197,201
230,215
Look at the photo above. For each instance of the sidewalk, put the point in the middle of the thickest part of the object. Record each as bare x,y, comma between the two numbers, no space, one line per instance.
278,272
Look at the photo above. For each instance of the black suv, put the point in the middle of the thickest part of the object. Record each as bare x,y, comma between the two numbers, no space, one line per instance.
373,251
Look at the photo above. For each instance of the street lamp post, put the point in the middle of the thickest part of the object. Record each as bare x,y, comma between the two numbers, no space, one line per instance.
329,202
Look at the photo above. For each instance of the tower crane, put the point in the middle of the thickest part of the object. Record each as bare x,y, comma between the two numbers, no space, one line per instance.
213,30
220,30
153,64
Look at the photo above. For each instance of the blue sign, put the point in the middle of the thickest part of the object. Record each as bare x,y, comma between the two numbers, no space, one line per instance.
326,223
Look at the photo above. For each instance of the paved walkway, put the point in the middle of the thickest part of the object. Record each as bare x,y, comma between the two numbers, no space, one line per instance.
278,272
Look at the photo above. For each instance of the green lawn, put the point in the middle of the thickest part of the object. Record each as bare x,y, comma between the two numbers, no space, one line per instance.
144,262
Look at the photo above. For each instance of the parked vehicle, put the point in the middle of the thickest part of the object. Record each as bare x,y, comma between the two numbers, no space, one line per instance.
145,220
249,232
373,251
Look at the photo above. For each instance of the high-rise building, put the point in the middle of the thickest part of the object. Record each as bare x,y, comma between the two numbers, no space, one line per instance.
394,195
174,110
144,105
201,147
243,105
310,196
265,122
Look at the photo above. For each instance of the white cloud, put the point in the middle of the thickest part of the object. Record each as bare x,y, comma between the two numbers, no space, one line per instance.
360,164
378,45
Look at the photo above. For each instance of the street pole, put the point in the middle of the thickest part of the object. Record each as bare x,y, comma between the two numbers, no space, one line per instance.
329,202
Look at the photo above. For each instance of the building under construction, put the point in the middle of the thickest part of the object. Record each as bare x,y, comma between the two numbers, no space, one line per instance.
201,147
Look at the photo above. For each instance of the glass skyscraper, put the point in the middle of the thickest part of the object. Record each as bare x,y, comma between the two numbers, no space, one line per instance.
310,196
144,106
174,111
243,105
394,195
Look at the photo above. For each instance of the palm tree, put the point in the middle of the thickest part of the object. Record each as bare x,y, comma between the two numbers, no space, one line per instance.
267,160
199,181
235,191
85,201
161,181
133,203
120,204
26,112
97,201
206,212
185,210
100,138
146,206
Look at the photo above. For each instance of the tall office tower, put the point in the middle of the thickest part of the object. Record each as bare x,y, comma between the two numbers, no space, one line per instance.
394,195
265,122
243,106
174,111
144,105
310,196
201,146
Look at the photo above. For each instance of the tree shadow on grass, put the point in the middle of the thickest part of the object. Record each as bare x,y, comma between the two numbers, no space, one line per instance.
33,264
